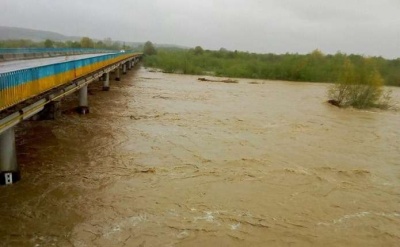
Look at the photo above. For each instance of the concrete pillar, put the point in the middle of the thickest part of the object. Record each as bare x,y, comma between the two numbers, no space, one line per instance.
129,65
83,107
102,77
106,83
124,69
51,111
9,172
117,77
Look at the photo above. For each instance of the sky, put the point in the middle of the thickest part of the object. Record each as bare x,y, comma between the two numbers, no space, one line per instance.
366,27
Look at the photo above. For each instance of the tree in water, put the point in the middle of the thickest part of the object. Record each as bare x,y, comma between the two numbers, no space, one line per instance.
362,88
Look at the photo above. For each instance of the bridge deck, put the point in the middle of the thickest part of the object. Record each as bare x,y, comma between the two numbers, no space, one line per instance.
9,66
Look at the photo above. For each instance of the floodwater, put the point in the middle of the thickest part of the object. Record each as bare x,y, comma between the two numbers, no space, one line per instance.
167,160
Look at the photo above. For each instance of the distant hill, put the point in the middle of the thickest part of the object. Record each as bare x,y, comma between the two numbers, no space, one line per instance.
31,34
40,35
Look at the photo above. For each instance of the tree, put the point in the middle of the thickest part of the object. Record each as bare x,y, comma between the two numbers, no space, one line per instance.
48,43
198,50
99,44
340,92
75,44
149,49
116,45
360,89
87,42
108,42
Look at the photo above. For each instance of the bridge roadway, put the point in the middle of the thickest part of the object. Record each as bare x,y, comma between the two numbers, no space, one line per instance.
35,87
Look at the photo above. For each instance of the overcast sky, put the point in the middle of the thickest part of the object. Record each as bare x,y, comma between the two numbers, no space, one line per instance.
369,27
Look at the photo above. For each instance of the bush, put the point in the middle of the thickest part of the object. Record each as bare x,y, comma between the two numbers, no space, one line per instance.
362,88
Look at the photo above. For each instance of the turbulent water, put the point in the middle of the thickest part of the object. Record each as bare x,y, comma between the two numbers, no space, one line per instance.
167,160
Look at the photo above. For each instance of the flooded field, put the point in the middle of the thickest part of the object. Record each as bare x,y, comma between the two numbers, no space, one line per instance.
167,160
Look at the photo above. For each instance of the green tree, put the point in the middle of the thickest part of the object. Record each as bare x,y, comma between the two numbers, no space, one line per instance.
198,50
362,88
108,42
115,45
149,49
48,43
99,45
75,44
87,42
341,91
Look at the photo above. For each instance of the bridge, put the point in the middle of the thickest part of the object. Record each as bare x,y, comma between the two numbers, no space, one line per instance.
10,54
33,82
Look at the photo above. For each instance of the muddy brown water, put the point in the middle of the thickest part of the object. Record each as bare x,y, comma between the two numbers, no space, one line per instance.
167,160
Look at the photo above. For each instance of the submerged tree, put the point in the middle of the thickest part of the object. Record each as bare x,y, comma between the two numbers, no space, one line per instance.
362,88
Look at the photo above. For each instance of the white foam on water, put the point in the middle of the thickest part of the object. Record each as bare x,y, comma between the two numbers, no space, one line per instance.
356,215
235,226
183,234
207,217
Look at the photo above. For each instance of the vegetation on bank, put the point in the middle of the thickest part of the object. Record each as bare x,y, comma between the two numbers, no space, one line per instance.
84,42
313,67
358,80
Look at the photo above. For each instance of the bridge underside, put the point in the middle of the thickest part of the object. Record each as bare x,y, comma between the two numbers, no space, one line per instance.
47,104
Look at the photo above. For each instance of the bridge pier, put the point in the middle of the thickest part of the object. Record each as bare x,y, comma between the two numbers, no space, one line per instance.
106,83
124,69
83,107
9,171
129,65
51,111
102,77
117,77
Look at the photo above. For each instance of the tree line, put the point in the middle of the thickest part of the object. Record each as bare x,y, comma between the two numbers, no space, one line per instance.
84,42
313,67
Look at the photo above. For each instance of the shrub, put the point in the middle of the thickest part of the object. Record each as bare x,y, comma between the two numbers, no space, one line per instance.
362,88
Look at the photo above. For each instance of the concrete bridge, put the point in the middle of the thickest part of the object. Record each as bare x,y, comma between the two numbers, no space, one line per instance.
11,54
36,86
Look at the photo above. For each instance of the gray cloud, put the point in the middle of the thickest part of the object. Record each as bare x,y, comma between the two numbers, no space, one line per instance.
367,27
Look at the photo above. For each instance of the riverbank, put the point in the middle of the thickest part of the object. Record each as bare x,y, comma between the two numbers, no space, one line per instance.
313,67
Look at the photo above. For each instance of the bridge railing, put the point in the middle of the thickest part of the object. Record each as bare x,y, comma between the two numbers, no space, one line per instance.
17,86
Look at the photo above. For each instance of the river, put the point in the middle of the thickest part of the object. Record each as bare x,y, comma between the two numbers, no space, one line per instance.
167,160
